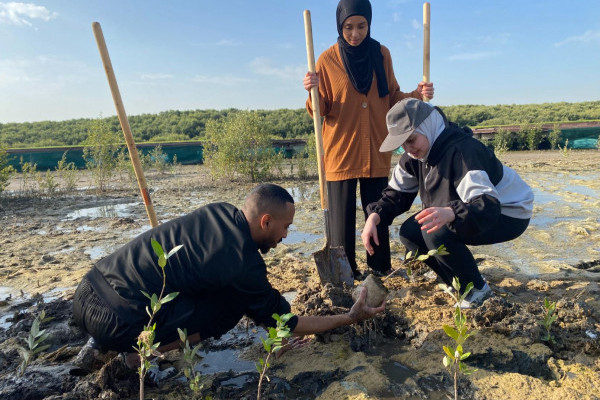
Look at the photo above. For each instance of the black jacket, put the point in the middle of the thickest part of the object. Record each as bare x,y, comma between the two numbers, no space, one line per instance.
218,261
462,173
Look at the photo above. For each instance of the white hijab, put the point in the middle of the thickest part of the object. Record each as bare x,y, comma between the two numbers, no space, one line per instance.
431,128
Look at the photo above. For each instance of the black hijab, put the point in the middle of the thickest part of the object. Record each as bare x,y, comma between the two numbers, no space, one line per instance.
361,60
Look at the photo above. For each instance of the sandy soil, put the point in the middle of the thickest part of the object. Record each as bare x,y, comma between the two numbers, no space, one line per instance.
47,244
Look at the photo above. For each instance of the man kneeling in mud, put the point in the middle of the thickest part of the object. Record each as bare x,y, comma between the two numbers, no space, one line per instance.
219,274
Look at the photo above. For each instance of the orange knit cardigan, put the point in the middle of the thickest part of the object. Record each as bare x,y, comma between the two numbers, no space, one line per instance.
354,123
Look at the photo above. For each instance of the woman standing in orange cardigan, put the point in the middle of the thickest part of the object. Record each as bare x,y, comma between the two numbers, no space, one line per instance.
357,87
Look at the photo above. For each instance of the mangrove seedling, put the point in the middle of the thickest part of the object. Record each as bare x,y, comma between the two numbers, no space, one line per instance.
191,359
549,318
272,344
34,341
411,259
146,348
455,356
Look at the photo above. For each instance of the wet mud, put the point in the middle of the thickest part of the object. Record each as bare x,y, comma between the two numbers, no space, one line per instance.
46,245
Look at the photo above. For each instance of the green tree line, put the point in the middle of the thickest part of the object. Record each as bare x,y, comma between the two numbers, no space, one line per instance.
281,124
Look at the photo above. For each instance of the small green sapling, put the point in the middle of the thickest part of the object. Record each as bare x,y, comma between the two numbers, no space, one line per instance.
272,344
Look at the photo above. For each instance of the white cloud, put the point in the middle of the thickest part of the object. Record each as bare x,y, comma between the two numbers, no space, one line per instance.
42,73
415,24
225,80
396,16
587,37
262,66
474,56
19,14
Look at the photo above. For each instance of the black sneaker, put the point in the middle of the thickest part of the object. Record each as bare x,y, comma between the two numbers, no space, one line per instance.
91,357
358,276
380,274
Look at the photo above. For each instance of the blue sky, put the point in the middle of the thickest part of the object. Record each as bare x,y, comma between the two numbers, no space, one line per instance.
186,55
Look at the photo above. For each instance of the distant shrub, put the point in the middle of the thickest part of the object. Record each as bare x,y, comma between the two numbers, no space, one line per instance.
100,153
533,136
554,137
6,170
239,144
502,141
67,173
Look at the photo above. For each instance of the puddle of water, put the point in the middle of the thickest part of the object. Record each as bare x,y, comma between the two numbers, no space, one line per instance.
97,252
584,190
87,228
542,221
304,192
238,381
54,294
4,323
228,358
6,292
223,360
295,237
106,211
396,372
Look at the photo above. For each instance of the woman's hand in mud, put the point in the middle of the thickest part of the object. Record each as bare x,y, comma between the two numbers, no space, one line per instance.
370,232
311,79
433,218
294,343
361,311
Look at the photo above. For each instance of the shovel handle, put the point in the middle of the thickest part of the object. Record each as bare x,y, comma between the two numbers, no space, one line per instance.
426,49
316,111
133,154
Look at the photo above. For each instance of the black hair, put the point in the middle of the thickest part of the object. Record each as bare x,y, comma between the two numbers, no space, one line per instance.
268,198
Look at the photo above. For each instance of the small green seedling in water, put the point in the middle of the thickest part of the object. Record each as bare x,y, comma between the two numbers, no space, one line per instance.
146,347
191,359
412,259
549,318
272,345
34,341
453,360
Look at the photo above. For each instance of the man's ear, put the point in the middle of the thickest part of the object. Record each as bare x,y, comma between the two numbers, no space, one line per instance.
264,221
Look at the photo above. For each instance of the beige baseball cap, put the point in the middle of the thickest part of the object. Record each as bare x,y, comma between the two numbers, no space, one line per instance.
402,120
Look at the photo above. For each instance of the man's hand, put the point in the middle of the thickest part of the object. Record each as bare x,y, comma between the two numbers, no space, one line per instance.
433,218
361,311
370,231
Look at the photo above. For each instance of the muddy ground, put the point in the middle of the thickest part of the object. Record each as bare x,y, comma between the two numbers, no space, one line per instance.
47,244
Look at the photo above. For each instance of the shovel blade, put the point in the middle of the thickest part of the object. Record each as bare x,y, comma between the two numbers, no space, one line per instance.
333,266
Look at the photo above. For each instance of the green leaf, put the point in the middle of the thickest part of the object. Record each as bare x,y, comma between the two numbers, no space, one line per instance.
468,288
423,257
196,349
162,261
41,348
450,331
277,348
158,250
442,251
146,294
408,256
449,352
169,297
182,334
